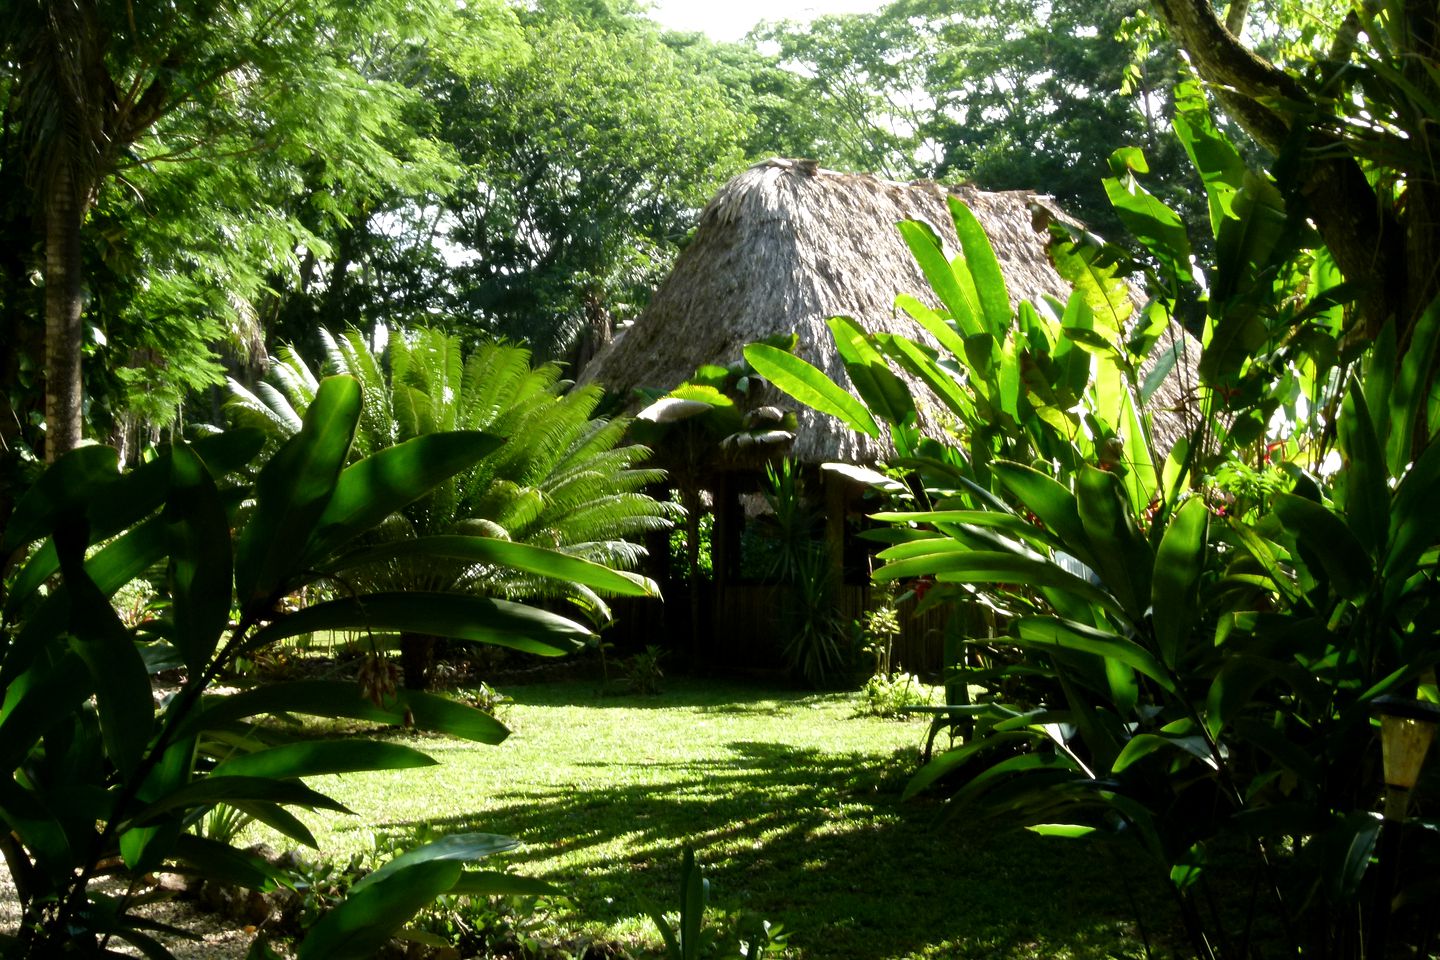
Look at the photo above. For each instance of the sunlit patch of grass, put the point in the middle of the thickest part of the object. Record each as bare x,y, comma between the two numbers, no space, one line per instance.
792,802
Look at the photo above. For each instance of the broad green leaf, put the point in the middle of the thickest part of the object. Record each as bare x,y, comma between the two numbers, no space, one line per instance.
1367,495
1122,554
986,566
798,379
884,393
952,760
131,498
507,553
317,757
1072,830
1414,519
279,819
1066,635
1175,587
980,258
937,326
327,698
1155,225
62,491
118,676
490,883
198,536
941,382
461,847
213,860
925,247
1329,538
1098,277
381,484
1144,744
292,492
1408,399
460,617
1215,158
211,790
369,916
1052,503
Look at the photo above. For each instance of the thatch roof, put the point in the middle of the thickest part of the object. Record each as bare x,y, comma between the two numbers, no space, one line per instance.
786,245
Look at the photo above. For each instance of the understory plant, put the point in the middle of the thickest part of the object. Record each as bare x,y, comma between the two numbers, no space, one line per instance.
562,481
1193,674
100,780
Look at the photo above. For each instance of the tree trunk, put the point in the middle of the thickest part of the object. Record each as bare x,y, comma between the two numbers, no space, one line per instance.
64,337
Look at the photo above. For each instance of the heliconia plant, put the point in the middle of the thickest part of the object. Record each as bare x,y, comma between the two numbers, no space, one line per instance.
1197,683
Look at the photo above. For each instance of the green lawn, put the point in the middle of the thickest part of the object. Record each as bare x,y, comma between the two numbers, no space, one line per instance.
792,803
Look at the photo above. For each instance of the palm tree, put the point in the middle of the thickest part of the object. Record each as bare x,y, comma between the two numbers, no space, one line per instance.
561,480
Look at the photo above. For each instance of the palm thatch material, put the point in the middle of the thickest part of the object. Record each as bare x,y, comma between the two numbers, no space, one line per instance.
786,245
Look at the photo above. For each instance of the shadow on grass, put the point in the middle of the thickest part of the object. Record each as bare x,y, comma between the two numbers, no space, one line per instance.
821,843
719,696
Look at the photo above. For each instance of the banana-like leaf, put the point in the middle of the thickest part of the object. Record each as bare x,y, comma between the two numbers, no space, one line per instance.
117,671
1175,587
1155,225
1144,744
218,861
279,819
458,847
1071,830
952,760
370,916
459,617
941,382
292,492
1329,538
884,393
329,698
1049,632
1052,503
1122,555
211,790
61,491
381,484
937,326
1367,494
492,883
518,556
314,758
198,534
991,566
1408,399
131,498
798,379
925,247
984,268
1414,520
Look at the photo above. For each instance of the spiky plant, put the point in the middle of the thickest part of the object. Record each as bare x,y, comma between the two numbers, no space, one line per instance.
562,480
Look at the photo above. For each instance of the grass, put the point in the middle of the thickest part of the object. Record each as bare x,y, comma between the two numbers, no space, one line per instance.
793,806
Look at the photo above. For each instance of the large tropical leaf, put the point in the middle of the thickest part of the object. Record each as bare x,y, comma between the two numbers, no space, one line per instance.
810,386
460,617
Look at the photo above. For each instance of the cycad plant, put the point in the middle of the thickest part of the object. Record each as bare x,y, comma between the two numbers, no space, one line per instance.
561,480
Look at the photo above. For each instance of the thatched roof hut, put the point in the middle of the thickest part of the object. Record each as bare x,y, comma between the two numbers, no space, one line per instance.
786,245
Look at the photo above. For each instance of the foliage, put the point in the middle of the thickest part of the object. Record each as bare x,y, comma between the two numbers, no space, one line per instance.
99,779
889,694
642,671
749,938
1199,689
562,482
1004,95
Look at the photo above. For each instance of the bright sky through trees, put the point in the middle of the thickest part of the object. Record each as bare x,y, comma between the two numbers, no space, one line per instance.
732,20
